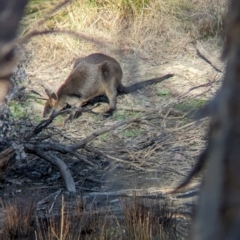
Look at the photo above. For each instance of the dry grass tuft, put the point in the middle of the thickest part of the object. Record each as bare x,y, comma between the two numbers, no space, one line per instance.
146,219
143,219
18,219
66,225
149,29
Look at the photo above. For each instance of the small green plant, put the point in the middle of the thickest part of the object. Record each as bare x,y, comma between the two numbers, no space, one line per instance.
60,119
31,96
163,92
36,118
18,110
120,116
132,132
40,101
104,136
124,115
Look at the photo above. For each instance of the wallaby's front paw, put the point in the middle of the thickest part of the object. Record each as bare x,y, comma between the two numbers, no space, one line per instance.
108,112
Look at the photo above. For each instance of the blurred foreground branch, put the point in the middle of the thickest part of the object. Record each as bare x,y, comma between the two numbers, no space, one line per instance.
218,211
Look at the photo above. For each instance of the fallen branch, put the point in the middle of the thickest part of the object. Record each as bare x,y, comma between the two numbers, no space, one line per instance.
165,110
100,132
96,151
62,149
104,130
131,192
62,167
148,192
208,84
134,109
40,149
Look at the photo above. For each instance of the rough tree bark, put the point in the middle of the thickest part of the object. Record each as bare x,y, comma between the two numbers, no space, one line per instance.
218,212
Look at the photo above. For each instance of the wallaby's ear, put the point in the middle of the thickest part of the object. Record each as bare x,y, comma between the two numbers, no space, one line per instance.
53,98
105,69
48,92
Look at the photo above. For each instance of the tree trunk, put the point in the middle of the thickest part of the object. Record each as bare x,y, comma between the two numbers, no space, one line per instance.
218,212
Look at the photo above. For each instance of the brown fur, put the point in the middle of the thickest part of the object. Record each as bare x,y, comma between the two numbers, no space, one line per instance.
92,76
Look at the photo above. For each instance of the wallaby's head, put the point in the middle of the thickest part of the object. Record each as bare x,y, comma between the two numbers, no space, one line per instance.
51,103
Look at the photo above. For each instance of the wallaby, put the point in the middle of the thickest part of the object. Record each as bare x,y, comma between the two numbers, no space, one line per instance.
92,76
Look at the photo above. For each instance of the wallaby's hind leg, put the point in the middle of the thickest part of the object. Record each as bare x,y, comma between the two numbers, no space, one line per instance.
112,97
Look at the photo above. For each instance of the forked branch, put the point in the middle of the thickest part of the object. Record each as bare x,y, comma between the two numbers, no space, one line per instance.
65,173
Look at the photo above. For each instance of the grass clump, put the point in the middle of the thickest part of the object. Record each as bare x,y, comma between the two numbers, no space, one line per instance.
21,110
124,115
128,7
104,136
128,133
60,119
80,224
191,104
18,110
146,219
149,27
163,92
18,219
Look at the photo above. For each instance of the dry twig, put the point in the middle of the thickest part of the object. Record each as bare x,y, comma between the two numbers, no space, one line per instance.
201,52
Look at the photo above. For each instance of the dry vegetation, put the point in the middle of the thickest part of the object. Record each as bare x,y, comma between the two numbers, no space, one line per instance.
152,29
121,174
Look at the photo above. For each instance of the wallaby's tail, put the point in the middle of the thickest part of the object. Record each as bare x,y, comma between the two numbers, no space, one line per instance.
134,87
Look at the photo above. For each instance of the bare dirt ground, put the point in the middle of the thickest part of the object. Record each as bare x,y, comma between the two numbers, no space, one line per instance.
145,158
